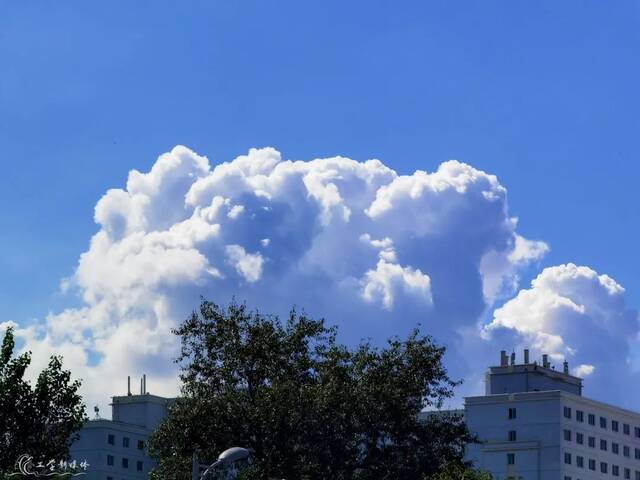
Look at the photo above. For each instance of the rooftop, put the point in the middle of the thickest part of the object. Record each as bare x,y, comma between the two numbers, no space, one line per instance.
548,395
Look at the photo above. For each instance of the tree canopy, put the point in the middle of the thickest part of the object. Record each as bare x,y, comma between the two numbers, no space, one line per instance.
305,405
42,420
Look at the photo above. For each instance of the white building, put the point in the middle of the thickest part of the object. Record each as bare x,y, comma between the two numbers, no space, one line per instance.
117,449
534,424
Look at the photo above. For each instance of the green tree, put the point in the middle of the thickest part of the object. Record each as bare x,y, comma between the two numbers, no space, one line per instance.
457,471
41,421
305,405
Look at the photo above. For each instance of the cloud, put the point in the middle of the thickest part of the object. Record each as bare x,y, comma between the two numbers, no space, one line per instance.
371,250
572,312
583,370
383,283
246,264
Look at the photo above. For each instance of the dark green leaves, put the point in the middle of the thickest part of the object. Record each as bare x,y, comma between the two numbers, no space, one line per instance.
305,405
39,421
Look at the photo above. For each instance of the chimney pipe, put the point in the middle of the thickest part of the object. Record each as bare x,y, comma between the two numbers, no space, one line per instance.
513,358
141,387
144,383
526,356
128,385
565,367
503,358
545,360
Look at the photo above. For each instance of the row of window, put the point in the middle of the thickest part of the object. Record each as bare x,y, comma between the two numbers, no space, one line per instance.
591,442
604,444
591,465
604,466
124,463
111,440
603,421
626,472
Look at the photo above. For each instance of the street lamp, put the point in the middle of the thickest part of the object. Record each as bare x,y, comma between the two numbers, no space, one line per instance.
229,464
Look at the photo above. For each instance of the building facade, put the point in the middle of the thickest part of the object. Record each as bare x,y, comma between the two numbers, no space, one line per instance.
534,424
116,449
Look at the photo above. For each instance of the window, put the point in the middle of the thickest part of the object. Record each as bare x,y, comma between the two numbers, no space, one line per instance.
579,438
625,429
615,447
567,458
592,464
615,470
125,442
512,435
109,478
125,463
592,419
637,453
579,461
512,413
592,442
111,439
614,425
626,451
140,444
603,422
637,475
567,477
604,467
579,415
567,435
603,445
139,465
511,458
109,459
627,474
567,412
637,432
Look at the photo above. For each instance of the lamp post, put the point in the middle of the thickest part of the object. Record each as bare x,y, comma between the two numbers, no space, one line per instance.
229,464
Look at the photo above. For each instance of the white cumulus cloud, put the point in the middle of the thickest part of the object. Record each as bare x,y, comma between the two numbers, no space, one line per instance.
571,312
371,250
247,264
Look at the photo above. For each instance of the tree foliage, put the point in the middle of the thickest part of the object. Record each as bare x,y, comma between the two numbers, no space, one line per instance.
307,406
457,471
41,420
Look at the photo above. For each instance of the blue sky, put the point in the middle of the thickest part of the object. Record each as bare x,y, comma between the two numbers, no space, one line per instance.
543,95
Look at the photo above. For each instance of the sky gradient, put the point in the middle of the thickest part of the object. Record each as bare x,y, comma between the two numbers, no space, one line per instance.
543,96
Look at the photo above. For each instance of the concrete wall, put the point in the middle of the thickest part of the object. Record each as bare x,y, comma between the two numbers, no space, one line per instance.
529,378
610,413
537,427
93,446
134,418
144,410
540,445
